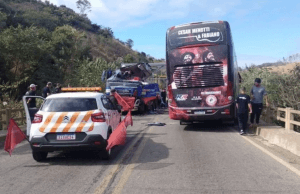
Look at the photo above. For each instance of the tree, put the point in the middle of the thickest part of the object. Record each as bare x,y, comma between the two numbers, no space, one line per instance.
84,6
129,59
129,43
22,53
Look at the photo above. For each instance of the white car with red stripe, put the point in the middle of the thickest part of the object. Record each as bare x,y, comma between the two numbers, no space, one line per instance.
72,121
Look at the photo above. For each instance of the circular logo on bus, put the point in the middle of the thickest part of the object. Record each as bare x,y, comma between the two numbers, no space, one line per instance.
211,100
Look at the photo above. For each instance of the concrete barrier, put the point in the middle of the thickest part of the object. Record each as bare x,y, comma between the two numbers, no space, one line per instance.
289,140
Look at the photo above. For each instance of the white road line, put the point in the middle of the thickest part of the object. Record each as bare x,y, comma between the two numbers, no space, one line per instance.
127,172
104,184
286,164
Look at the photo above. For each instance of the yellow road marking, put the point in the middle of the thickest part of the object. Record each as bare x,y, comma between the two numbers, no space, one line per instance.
284,163
128,170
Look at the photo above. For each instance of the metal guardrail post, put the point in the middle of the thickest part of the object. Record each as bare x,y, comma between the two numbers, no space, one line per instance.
268,116
7,117
21,116
2,120
287,119
291,119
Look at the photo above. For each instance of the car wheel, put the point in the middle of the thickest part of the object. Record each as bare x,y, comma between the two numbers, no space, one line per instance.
105,154
39,156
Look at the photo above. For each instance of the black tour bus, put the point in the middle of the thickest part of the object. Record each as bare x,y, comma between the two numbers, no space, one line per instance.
202,72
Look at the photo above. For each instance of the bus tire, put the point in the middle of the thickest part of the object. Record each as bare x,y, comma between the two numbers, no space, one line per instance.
39,156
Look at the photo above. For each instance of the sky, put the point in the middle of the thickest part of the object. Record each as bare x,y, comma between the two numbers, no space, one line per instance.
263,31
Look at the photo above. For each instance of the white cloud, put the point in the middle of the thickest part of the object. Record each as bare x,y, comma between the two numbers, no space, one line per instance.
129,13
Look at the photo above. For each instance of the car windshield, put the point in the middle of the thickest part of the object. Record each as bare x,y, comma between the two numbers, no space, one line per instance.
69,104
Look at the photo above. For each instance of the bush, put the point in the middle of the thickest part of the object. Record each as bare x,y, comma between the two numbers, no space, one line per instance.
283,89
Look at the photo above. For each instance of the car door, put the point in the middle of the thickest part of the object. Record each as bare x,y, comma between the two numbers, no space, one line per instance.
31,111
116,116
107,112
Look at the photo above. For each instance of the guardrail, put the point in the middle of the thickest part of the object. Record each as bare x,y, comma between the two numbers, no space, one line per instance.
18,114
286,115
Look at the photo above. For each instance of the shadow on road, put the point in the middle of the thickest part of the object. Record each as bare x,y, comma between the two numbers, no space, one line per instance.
212,126
153,152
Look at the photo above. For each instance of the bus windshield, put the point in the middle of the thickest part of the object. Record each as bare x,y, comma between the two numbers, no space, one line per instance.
201,71
210,33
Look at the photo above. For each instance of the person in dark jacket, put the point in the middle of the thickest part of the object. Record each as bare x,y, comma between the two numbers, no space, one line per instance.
242,105
31,101
58,88
47,90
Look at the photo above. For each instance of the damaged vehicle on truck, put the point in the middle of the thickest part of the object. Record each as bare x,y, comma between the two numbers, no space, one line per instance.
130,83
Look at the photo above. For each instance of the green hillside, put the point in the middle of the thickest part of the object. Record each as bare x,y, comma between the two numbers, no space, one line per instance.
40,42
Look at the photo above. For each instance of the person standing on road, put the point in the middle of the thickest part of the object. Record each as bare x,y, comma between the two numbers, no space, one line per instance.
242,105
257,94
31,101
46,90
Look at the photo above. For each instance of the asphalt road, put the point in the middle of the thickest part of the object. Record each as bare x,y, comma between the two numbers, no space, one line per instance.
202,158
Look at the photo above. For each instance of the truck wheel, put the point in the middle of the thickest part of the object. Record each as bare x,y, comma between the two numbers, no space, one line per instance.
39,156
141,108
105,154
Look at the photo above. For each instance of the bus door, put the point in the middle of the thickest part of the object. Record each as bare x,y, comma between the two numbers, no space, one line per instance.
31,110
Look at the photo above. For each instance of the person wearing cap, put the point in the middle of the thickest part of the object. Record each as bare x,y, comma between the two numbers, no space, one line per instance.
32,92
46,90
257,94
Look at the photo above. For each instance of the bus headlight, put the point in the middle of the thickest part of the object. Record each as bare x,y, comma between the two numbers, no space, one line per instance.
230,97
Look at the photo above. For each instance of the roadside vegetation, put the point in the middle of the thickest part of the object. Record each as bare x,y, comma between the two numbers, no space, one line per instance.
283,88
41,42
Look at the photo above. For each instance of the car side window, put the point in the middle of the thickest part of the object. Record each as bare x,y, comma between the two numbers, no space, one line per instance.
106,103
112,105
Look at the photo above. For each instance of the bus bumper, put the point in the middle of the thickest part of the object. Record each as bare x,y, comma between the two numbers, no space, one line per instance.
201,114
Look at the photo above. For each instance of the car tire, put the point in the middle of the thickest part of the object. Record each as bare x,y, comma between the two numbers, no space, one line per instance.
39,156
106,154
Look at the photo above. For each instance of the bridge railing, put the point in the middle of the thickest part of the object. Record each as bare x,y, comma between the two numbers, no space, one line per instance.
18,114
289,116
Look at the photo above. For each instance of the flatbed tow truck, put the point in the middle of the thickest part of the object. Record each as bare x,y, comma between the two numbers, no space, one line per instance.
129,82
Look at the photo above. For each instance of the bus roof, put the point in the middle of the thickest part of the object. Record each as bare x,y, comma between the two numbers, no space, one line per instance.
212,33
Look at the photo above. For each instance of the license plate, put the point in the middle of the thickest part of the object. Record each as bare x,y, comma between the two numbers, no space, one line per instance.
199,112
66,136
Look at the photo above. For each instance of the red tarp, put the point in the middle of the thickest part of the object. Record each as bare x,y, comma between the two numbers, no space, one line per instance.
118,136
13,137
122,102
128,119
